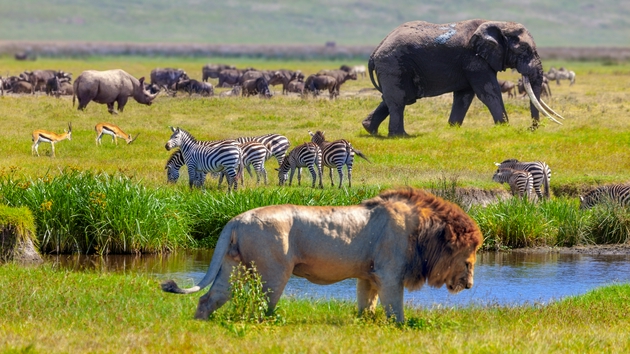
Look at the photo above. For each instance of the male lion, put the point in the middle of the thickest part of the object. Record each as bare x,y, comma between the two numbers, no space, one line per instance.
401,238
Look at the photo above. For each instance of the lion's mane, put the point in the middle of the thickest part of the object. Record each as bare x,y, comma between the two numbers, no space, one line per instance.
443,230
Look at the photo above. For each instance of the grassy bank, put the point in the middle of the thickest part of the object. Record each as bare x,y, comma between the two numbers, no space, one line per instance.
84,212
50,311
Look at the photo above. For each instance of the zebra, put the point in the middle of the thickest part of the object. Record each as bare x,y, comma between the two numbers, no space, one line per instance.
176,161
204,157
336,154
618,193
255,154
305,155
279,144
541,173
520,181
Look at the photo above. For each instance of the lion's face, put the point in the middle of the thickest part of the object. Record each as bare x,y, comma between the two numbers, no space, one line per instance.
456,272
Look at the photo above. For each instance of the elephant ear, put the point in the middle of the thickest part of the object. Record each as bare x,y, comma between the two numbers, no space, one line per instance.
489,43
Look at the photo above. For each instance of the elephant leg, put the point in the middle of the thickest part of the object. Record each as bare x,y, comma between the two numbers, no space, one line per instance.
367,296
495,104
461,102
374,119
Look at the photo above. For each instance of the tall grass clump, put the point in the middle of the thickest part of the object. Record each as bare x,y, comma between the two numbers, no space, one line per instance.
209,211
514,222
609,223
86,212
249,302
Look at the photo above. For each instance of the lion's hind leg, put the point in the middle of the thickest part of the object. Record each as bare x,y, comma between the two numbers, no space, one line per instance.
367,296
218,294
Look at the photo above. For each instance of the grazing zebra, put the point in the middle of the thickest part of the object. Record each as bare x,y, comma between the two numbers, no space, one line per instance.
618,193
199,157
255,154
541,173
336,154
174,163
520,181
305,155
278,144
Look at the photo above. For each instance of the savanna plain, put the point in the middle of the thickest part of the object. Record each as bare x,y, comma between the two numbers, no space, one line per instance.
45,309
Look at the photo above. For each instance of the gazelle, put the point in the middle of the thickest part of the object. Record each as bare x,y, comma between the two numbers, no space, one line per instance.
44,136
114,131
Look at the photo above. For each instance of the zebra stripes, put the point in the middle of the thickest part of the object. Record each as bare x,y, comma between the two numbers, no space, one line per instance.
305,155
336,154
176,161
222,157
278,144
255,154
618,193
541,174
521,182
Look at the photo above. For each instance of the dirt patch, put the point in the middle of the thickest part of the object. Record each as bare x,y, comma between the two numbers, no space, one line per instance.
617,249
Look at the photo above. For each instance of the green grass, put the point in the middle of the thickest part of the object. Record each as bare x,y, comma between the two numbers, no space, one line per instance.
300,22
54,311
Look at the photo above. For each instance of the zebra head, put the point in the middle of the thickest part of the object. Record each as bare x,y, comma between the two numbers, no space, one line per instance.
177,138
174,163
317,137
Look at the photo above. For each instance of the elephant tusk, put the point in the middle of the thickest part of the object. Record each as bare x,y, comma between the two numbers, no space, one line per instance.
550,110
532,98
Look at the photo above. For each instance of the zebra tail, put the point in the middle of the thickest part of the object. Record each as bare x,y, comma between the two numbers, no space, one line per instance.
546,186
360,154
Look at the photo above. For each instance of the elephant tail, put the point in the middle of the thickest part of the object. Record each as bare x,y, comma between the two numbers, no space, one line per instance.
371,70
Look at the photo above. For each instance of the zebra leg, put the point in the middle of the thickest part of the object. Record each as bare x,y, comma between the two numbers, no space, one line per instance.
291,175
349,167
299,176
311,168
340,171
332,182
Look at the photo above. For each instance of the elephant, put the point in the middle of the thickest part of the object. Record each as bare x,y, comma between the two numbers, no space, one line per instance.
420,59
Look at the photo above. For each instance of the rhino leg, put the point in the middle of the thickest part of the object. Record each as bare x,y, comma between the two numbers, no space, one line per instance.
110,108
122,101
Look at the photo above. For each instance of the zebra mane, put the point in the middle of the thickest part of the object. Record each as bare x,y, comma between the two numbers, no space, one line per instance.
186,134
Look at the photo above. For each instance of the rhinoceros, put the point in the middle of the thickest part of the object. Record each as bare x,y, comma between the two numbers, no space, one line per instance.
108,87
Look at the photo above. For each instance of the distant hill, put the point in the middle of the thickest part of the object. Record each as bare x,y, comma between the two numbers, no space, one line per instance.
574,23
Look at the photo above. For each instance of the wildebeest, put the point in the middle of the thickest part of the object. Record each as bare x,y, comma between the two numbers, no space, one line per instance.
257,86
39,78
108,87
254,74
229,77
167,77
296,86
234,92
193,86
509,87
65,88
21,86
315,83
340,75
212,71
283,77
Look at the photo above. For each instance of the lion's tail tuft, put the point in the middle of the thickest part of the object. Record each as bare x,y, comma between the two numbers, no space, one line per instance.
170,286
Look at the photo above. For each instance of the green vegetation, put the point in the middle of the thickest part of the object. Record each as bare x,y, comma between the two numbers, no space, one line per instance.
563,23
54,311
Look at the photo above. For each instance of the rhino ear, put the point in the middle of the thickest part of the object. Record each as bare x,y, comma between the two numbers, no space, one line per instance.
141,80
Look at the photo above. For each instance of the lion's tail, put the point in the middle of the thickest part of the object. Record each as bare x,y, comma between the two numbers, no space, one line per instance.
220,251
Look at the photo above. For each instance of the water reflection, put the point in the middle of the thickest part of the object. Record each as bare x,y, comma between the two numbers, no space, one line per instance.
500,278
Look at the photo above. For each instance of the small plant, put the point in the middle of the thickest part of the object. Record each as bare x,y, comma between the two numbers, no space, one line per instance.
249,301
